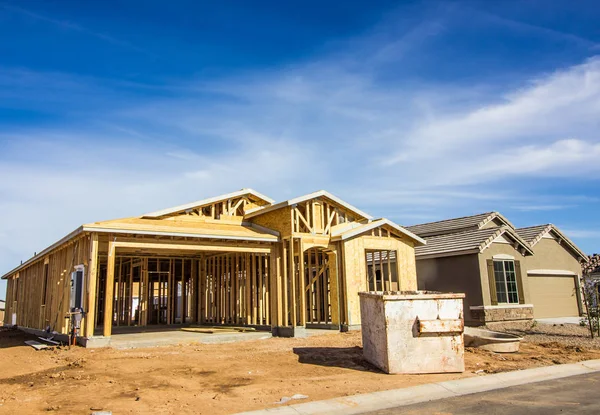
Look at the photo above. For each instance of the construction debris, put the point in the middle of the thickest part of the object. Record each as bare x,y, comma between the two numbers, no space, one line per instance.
36,345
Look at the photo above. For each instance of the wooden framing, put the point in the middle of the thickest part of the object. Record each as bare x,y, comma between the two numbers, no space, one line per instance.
232,260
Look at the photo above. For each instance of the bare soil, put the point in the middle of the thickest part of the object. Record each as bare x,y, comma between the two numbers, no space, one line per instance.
220,378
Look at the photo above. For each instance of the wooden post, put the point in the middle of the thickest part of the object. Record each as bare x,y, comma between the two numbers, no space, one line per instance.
311,300
334,287
253,289
248,286
301,282
292,276
284,285
109,290
260,288
274,292
90,317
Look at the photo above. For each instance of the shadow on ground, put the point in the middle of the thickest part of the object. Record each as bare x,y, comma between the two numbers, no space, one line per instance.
344,357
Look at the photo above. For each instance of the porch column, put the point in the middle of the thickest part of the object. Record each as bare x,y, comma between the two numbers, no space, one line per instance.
333,286
90,316
109,291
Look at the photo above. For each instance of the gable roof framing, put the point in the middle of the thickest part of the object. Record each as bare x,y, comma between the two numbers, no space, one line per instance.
321,193
347,233
209,201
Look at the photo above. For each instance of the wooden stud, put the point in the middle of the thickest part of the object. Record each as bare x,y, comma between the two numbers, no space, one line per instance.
292,277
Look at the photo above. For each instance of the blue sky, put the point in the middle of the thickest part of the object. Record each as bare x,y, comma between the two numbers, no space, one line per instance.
415,111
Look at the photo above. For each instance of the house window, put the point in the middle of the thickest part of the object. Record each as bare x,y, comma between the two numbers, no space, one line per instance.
506,282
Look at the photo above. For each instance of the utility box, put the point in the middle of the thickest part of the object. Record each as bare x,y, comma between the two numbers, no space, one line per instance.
413,331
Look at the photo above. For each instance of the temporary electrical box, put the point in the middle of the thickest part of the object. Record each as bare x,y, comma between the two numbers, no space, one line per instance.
77,288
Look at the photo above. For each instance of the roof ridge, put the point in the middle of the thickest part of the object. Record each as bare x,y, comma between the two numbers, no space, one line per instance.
460,232
460,217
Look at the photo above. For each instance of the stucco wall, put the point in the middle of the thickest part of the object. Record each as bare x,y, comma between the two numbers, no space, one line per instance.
458,274
550,255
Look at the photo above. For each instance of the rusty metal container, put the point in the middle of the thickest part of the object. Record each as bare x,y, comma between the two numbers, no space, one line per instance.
413,331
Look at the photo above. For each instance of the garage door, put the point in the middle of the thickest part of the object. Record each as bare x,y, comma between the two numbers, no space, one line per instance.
553,296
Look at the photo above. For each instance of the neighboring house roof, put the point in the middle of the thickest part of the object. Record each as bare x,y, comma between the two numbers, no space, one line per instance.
351,231
534,234
321,193
211,200
455,225
473,241
593,265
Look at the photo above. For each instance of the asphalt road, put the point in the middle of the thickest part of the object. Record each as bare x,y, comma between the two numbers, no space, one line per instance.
571,395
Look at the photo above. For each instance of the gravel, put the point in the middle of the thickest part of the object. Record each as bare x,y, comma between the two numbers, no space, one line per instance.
540,333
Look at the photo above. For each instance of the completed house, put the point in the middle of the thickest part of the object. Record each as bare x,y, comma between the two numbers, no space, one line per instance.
506,273
234,259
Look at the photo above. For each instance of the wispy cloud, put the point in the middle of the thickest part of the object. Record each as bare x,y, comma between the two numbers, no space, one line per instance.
412,151
67,25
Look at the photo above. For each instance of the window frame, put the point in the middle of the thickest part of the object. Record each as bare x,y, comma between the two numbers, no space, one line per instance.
505,282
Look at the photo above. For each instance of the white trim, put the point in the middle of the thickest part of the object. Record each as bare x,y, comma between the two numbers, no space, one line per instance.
187,235
563,272
321,193
500,239
499,306
208,201
503,257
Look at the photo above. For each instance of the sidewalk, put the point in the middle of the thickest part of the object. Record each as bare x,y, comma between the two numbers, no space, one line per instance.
357,404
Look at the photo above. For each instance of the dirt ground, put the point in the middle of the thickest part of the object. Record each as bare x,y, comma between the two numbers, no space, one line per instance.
219,378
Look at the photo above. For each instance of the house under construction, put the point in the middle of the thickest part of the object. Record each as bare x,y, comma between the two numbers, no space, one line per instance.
235,259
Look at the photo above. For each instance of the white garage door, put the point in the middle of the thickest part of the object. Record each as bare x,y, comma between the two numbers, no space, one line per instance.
553,296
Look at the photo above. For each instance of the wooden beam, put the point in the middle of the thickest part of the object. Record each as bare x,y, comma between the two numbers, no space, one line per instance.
196,247
292,277
90,317
109,289
301,283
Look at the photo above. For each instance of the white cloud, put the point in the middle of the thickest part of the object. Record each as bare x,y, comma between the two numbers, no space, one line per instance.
408,151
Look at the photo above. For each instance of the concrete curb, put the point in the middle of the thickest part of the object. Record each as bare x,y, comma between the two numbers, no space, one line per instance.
375,401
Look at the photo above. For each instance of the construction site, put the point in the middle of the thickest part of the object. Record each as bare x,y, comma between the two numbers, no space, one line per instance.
238,259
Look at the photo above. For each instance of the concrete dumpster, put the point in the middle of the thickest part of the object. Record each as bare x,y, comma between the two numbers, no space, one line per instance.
413,331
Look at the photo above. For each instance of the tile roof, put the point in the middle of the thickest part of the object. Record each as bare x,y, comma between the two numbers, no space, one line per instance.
469,241
456,224
531,233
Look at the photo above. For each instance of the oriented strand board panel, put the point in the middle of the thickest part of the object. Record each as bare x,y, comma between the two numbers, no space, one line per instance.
553,296
355,268
279,220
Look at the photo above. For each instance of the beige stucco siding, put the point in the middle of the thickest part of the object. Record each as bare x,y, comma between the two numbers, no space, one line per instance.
457,274
552,256
355,269
500,249
549,254
553,296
